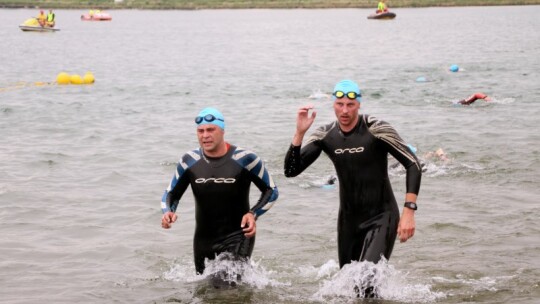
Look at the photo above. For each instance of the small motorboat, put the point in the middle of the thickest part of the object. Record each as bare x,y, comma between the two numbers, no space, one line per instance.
96,16
32,25
383,15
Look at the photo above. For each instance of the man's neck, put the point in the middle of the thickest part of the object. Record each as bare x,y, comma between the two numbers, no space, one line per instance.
219,152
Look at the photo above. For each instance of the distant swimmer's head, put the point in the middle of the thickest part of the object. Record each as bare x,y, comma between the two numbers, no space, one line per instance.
210,116
348,89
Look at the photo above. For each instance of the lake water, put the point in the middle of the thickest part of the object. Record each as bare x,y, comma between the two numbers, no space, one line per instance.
83,168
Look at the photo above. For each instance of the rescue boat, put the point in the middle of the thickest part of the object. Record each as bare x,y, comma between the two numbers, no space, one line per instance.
32,25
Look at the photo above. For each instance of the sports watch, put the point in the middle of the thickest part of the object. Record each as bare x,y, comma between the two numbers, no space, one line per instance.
411,205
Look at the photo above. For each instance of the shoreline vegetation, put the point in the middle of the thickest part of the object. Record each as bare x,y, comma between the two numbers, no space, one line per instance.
245,4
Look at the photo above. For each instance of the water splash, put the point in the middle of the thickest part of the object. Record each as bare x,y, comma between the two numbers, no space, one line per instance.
181,271
502,100
353,280
318,94
432,168
225,270
326,182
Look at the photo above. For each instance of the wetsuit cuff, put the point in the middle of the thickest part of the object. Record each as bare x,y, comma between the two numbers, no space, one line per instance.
254,213
293,147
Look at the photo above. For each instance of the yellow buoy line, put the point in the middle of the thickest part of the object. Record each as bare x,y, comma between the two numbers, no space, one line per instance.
65,78
62,79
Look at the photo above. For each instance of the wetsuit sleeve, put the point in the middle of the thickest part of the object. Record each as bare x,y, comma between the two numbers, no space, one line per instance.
399,150
299,158
177,186
261,178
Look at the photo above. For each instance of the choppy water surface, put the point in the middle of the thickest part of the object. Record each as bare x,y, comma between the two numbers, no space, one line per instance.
83,167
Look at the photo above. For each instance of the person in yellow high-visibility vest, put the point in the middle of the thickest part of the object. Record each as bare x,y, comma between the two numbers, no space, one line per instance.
50,19
382,8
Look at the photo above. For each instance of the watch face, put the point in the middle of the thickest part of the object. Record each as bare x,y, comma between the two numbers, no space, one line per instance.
411,205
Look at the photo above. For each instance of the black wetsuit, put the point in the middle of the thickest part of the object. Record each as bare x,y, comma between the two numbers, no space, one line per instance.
368,212
221,189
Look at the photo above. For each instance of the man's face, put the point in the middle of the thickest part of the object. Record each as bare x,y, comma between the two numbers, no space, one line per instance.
210,137
346,111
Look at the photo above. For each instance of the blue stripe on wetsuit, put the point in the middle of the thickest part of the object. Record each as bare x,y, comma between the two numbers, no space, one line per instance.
188,160
251,162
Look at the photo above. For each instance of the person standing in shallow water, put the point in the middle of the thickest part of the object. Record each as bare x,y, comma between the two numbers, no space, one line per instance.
358,146
220,175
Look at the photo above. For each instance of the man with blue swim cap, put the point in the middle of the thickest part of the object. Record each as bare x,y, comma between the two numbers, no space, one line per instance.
220,175
349,88
210,116
358,146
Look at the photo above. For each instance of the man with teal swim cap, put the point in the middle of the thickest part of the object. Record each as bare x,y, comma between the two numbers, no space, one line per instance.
220,175
210,116
358,146
347,87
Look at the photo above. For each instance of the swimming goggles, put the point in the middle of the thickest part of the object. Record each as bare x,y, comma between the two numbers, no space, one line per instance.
207,118
350,95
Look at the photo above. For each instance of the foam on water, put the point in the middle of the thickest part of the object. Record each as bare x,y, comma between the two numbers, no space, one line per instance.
350,282
318,94
491,284
233,271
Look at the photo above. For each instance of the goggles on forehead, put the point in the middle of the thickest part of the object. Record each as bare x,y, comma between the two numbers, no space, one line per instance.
207,118
350,95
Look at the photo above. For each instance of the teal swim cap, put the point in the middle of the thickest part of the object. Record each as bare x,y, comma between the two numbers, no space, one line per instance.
210,116
412,148
347,86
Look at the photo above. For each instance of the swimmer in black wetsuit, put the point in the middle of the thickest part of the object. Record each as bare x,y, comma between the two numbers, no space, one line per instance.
358,145
220,176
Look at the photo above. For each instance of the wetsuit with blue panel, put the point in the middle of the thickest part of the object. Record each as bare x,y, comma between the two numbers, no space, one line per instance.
368,213
221,189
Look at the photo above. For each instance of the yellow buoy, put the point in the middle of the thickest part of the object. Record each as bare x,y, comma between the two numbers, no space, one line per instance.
63,78
88,78
76,79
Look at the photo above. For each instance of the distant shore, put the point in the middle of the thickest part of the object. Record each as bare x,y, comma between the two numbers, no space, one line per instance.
239,4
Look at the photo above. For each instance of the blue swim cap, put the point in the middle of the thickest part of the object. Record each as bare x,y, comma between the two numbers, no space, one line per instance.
347,86
210,116
454,68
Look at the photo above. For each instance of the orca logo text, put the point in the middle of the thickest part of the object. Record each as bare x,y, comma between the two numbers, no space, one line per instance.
219,180
349,150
